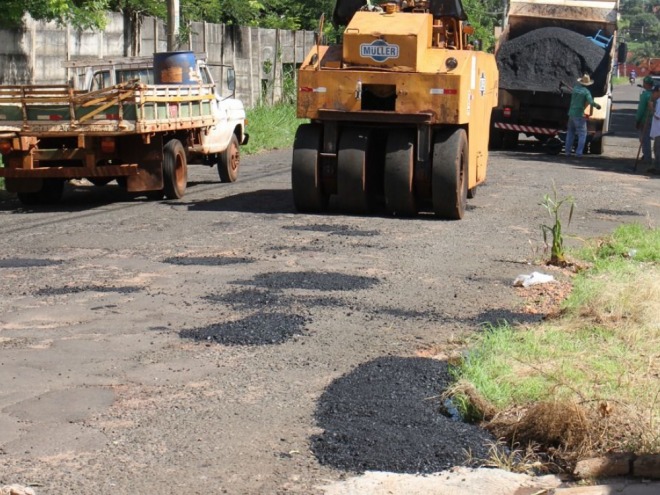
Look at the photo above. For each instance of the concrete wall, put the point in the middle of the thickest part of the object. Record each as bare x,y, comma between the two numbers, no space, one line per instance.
262,58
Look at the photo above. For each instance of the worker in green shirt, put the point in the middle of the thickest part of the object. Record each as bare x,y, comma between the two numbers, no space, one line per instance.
642,119
577,122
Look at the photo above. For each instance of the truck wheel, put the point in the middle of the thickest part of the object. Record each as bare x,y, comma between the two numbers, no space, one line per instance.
100,181
596,147
230,160
399,166
472,192
175,170
308,195
353,188
449,180
496,139
510,140
50,193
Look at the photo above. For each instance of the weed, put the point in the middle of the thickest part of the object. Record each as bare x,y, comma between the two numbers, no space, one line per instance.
553,205
271,127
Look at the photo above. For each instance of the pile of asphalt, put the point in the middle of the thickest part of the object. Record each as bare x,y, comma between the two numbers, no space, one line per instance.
550,60
386,415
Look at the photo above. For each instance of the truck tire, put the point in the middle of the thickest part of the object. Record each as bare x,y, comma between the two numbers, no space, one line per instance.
100,181
399,167
175,170
496,139
510,140
306,185
449,175
230,161
50,193
596,147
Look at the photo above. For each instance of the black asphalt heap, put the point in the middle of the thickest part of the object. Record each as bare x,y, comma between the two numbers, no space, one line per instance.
385,416
550,60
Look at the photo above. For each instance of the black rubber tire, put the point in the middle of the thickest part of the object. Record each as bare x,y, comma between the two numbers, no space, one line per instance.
496,139
510,140
399,173
230,161
175,170
353,188
450,174
306,185
472,192
596,146
100,181
50,193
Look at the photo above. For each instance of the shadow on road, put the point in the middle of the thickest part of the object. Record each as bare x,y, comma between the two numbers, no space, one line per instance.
270,201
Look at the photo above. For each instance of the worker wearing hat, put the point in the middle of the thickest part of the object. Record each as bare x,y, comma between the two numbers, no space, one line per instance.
642,119
577,122
655,129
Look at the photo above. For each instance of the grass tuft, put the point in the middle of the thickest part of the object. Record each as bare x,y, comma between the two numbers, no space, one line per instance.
271,127
585,382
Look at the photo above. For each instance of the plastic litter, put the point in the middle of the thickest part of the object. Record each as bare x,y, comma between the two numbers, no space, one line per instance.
533,278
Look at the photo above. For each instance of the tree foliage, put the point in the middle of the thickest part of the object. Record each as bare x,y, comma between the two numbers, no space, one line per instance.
80,13
640,28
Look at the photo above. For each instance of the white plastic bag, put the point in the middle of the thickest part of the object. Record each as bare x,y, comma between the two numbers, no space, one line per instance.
533,278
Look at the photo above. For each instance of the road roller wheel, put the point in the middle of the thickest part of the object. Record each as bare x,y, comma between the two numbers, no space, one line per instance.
399,166
308,195
449,180
353,188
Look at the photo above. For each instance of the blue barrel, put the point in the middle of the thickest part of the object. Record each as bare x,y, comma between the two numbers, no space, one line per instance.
175,68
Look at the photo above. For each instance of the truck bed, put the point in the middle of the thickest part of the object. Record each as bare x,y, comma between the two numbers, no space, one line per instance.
128,108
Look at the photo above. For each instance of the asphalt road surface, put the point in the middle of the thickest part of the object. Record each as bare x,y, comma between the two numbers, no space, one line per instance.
224,343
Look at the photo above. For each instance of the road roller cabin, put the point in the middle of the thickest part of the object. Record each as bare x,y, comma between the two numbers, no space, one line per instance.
399,112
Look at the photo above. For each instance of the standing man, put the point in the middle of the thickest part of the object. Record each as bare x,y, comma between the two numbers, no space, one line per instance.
642,119
654,133
577,122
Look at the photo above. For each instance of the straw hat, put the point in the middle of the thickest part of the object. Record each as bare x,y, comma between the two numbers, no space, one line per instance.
585,80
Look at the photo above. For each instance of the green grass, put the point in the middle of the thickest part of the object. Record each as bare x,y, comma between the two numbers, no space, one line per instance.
271,128
603,349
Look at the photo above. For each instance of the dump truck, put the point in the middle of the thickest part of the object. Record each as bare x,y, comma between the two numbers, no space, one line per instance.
399,112
139,122
543,48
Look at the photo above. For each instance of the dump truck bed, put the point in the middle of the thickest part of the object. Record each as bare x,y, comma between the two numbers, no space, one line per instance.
583,16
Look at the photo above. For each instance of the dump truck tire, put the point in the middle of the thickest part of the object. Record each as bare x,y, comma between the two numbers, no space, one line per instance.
449,175
596,147
353,188
50,193
399,167
308,195
175,170
230,161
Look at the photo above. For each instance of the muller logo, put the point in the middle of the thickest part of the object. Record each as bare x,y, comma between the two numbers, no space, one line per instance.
379,50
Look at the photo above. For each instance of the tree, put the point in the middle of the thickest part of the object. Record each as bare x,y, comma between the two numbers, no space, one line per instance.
80,13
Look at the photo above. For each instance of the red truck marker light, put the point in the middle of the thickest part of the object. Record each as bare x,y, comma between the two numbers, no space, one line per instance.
5,147
507,112
108,145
